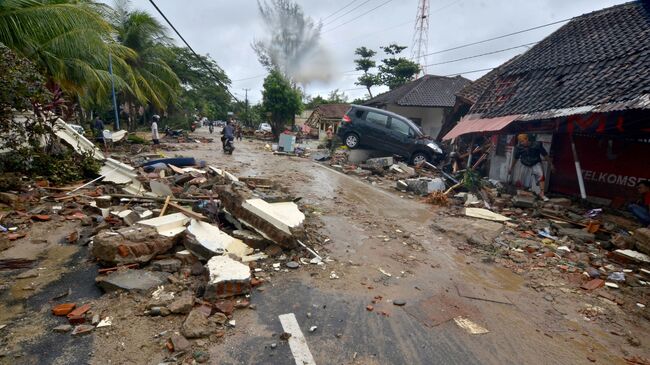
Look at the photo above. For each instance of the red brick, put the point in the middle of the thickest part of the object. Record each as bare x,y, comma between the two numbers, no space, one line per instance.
593,284
76,319
370,308
63,309
79,311
41,217
225,306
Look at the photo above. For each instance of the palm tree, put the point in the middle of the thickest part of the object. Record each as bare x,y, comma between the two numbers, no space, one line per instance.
151,79
69,40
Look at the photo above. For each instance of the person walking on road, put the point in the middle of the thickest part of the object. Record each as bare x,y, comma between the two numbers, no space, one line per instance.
530,155
155,137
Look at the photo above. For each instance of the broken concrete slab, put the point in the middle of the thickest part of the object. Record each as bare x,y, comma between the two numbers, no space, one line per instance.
159,188
182,305
130,245
251,238
196,325
78,142
283,215
179,343
576,234
227,278
206,240
424,185
485,214
380,162
132,280
642,238
168,225
632,256
120,173
523,201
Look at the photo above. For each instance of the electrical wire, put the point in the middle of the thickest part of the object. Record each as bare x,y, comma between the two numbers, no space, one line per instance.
359,16
216,78
346,13
482,54
470,72
249,78
498,37
334,13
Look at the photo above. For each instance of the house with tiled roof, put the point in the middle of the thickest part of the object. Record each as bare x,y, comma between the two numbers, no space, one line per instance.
584,91
427,101
324,116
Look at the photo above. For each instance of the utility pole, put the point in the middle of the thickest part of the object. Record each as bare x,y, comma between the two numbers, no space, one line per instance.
246,106
421,37
117,114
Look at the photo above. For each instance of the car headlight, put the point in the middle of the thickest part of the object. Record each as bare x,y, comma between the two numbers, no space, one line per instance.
434,147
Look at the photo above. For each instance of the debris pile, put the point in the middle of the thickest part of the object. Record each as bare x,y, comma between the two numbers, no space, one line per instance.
189,239
590,247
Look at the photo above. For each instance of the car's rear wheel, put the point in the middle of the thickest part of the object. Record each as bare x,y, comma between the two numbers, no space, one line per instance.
352,141
419,157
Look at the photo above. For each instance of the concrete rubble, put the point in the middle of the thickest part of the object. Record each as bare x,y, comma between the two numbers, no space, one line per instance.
130,245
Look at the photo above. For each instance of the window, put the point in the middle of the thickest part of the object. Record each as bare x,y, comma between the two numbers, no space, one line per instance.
358,113
399,126
376,118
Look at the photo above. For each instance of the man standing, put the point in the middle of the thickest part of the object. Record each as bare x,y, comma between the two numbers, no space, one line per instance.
642,210
530,155
155,137
98,127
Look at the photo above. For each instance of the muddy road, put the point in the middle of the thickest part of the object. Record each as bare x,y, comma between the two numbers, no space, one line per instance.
385,249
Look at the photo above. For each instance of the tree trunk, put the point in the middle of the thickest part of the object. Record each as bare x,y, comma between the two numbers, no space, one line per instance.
369,92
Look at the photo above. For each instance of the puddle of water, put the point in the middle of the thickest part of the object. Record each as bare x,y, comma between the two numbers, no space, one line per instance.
495,278
49,270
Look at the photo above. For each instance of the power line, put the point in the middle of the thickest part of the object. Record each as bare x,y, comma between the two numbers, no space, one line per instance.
346,13
249,78
482,54
360,15
470,72
343,8
216,78
499,37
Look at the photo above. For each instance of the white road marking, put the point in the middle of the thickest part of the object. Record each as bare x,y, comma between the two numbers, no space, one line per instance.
297,341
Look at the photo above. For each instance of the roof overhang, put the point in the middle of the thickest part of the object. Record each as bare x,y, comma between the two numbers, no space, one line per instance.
474,124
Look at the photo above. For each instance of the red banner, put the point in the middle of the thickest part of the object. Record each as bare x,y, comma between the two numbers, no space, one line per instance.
611,168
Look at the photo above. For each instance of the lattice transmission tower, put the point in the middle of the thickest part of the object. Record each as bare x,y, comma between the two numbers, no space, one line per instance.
421,37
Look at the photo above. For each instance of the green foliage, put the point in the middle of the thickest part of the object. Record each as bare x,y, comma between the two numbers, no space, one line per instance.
365,63
64,168
472,180
200,95
135,139
22,92
396,71
281,100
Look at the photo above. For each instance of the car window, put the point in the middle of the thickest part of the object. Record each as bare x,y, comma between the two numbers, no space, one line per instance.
376,118
358,113
399,126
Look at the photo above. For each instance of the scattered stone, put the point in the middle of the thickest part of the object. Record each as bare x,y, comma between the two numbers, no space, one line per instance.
182,305
197,269
219,318
95,320
370,308
292,265
313,328
399,302
196,325
63,328
285,336
179,342
82,329
33,273
132,280
548,298
201,356
593,284
226,307
166,265
274,345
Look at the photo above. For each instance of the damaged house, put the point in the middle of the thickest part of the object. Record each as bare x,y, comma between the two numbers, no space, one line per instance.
326,115
584,92
427,101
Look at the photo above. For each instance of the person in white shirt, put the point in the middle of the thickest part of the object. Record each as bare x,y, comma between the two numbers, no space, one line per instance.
155,137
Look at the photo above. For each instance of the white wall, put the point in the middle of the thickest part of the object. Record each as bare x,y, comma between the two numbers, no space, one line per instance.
432,118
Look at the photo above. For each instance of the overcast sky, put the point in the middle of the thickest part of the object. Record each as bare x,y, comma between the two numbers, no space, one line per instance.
225,29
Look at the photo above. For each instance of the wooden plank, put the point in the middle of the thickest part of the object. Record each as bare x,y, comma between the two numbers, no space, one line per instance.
188,212
164,208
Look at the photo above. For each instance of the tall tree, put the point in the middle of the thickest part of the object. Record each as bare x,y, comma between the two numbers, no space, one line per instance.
151,79
396,71
365,63
68,40
292,36
200,93
281,100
